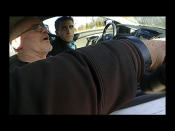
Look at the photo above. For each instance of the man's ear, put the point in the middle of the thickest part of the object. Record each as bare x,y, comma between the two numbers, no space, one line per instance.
56,32
16,43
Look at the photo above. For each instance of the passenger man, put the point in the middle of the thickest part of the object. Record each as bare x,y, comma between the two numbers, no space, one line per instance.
64,29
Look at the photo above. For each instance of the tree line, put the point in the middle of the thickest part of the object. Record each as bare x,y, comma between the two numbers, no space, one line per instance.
95,23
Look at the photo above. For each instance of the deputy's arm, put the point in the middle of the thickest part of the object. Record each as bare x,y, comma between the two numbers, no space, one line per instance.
157,49
92,80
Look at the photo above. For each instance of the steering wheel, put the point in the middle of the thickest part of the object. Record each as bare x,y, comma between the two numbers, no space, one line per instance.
109,36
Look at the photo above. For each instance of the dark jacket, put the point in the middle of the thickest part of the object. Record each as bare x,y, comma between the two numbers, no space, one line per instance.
15,62
91,80
59,46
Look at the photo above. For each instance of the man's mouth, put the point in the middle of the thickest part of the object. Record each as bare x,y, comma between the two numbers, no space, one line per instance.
46,38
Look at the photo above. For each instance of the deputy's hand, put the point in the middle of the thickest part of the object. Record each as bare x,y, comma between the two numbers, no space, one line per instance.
157,49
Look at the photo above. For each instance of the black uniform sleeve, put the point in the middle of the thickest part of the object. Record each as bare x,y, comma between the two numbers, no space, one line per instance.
142,48
94,80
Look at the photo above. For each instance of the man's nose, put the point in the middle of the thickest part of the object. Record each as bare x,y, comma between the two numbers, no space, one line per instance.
68,30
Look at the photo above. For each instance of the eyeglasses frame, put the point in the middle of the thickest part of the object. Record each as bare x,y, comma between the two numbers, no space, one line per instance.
34,27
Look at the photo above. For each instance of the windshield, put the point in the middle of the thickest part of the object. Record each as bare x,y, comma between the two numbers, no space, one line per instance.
149,21
153,21
81,23
95,25
88,22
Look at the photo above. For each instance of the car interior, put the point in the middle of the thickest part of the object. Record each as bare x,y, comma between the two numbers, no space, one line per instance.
115,30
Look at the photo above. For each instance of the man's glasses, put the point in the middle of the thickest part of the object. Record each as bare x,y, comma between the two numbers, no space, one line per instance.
38,28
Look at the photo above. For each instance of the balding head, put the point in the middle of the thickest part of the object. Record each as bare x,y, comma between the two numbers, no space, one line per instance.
18,25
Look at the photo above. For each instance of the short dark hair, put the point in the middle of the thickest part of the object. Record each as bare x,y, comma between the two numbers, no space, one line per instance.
60,19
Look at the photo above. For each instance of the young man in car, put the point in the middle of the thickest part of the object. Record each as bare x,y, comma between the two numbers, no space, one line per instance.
30,40
64,27
91,80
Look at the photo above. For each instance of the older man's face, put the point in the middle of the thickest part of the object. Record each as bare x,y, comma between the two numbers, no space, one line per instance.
34,40
66,30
